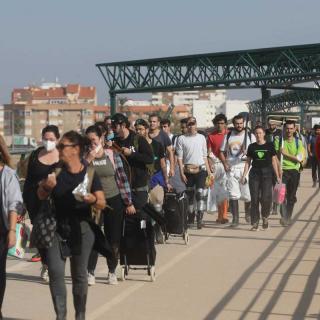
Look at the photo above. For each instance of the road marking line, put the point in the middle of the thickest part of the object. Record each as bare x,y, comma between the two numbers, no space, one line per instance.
128,291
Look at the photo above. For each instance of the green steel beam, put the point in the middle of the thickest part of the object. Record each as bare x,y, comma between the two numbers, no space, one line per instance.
285,101
271,67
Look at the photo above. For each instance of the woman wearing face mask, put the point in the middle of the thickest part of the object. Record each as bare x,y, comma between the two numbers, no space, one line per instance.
39,164
108,165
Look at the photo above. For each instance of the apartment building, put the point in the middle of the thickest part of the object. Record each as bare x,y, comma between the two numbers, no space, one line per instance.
71,107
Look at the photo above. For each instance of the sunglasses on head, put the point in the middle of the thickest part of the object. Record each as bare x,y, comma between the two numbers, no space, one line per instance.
190,124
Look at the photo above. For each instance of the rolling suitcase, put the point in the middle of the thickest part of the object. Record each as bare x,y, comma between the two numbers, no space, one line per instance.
137,249
175,209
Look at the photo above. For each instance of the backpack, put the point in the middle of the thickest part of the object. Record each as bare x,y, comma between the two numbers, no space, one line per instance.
150,166
244,146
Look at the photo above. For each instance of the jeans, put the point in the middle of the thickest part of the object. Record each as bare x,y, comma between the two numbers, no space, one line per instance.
3,261
113,220
291,179
78,264
260,184
315,167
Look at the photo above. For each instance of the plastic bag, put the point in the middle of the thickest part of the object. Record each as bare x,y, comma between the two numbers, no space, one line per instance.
22,237
82,189
279,193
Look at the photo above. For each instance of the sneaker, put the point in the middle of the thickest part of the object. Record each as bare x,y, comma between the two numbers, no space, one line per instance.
255,227
36,257
44,274
91,279
265,224
112,279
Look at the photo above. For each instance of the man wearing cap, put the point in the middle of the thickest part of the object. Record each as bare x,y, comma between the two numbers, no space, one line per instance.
138,152
272,132
194,168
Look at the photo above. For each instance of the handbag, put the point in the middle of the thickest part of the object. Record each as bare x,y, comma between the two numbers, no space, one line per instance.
44,226
191,168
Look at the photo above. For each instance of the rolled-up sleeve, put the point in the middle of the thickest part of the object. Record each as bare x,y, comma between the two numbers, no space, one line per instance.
14,198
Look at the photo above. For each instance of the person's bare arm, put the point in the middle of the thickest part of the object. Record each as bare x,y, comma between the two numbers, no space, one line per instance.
11,238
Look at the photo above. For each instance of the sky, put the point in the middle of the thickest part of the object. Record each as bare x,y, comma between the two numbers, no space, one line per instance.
42,40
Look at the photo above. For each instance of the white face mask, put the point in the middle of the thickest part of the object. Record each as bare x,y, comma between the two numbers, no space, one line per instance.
49,145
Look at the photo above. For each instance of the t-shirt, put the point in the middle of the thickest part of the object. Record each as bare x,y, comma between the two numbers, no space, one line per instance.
261,154
106,172
192,149
138,159
215,140
271,135
65,203
37,171
158,153
164,139
235,147
312,141
290,147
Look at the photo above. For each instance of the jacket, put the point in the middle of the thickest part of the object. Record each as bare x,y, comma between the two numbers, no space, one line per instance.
11,197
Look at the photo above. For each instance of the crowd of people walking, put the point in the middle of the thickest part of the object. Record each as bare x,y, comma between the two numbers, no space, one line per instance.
85,185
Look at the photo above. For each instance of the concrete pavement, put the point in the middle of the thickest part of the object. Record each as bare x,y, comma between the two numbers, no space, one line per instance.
223,273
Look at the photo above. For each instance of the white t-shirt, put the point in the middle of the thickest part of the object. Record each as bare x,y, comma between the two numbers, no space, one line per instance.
236,149
192,149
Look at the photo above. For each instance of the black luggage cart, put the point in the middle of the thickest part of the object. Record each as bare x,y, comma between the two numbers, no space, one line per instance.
137,249
175,209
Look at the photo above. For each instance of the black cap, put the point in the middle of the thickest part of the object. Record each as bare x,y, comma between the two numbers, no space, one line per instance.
119,118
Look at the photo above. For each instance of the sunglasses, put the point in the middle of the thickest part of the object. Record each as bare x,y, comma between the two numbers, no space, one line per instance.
61,146
190,124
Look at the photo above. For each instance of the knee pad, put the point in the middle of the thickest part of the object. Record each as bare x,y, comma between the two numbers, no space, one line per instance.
200,199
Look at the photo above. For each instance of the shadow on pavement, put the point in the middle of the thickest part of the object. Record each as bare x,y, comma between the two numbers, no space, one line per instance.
302,307
26,278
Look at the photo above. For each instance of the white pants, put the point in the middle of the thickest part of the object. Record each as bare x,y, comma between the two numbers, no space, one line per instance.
218,192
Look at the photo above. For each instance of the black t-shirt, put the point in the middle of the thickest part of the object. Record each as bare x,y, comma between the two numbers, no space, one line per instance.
164,139
261,154
37,171
65,203
271,135
138,159
158,153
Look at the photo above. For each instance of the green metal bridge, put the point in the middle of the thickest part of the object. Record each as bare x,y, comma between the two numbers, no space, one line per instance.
273,68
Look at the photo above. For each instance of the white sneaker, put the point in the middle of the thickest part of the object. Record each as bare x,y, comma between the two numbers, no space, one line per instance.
44,274
112,279
91,279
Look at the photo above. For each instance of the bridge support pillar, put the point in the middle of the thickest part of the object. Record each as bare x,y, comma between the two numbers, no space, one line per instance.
113,103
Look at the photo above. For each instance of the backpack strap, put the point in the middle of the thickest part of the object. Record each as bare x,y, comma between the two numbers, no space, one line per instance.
90,172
